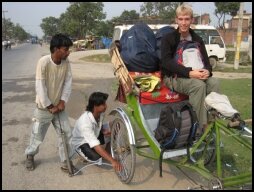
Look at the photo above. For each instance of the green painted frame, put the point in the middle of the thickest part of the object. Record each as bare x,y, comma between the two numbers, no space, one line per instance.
132,111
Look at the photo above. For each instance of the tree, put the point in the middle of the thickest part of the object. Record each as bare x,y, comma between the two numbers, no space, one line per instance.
79,20
84,17
166,10
19,33
225,8
104,28
162,10
131,15
50,26
67,25
7,28
13,31
147,9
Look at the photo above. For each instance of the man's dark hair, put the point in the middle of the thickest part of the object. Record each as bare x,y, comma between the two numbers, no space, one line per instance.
60,40
96,99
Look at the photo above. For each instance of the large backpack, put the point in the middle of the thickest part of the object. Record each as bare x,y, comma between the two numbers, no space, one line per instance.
176,127
188,54
138,49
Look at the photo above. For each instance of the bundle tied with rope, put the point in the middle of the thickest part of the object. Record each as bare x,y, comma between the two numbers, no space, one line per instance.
120,70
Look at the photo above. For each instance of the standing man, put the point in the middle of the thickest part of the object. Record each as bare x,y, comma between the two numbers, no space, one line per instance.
192,81
88,135
53,89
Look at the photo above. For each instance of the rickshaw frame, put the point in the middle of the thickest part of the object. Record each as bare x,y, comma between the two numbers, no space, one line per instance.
133,121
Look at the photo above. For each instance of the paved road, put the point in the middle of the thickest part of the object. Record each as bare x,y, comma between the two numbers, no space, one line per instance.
18,68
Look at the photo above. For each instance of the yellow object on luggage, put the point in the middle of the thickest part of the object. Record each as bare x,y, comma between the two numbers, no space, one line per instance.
147,83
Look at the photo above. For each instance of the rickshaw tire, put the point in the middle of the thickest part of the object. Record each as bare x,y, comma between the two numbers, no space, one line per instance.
119,134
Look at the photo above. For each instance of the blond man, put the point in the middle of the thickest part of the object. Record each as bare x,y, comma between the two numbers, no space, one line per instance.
196,83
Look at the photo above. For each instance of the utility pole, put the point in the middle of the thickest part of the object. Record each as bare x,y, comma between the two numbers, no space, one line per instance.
4,24
239,37
200,19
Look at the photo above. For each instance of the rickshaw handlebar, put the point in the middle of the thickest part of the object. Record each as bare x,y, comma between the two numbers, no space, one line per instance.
240,125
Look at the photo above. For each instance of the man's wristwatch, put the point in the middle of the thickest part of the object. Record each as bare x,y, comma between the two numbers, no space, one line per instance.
50,106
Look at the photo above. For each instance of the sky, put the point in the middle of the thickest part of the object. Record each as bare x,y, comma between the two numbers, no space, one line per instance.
30,14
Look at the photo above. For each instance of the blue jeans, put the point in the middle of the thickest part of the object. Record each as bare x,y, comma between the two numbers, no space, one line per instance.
42,119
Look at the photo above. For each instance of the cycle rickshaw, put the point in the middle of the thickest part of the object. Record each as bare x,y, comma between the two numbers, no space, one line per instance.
132,133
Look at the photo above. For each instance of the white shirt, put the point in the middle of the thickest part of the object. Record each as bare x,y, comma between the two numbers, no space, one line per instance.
86,130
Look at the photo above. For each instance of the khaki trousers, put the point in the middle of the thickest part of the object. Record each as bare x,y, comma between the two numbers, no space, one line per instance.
42,121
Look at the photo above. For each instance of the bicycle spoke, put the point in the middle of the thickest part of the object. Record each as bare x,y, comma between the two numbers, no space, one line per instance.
122,150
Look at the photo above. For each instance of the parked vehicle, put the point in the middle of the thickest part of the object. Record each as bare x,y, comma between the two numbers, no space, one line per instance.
214,43
6,44
34,39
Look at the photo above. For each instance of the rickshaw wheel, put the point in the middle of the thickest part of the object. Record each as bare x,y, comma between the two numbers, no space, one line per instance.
209,155
122,150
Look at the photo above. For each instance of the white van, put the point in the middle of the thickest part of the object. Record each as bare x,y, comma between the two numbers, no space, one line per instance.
214,43
215,46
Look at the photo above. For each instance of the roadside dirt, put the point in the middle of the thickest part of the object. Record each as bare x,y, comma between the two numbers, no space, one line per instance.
231,75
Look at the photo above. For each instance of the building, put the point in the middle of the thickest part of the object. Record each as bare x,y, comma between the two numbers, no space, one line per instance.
204,19
229,34
246,21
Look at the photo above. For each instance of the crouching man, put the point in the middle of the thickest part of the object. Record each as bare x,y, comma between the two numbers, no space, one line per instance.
88,137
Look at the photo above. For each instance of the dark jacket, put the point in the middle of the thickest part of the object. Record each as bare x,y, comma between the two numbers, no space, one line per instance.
169,44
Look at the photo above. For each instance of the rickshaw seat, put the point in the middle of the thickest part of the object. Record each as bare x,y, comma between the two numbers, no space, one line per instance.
126,79
161,95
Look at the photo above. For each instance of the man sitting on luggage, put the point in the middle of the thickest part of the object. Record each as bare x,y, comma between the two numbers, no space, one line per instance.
188,80
88,137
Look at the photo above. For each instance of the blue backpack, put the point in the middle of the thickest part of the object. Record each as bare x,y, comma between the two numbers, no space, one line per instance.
138,49
160,33
188,54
